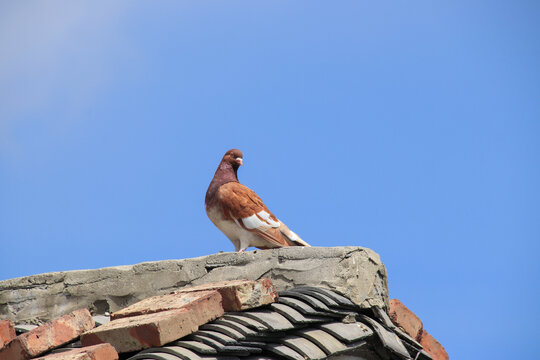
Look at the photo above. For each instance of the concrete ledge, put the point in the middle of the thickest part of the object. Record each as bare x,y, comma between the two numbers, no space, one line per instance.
356,272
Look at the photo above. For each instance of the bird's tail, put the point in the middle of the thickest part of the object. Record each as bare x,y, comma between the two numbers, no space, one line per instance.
291,236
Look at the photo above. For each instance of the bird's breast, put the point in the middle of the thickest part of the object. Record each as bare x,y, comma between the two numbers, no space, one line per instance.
227,226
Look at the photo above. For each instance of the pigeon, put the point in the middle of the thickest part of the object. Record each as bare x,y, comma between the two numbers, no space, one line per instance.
239,212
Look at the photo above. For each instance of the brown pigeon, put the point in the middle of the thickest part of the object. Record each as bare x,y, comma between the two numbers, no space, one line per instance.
240,214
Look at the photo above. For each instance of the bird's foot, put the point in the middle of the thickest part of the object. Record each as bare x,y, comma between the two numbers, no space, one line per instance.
242,250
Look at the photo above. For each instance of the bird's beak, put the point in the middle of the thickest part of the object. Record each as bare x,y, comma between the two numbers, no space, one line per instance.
240,161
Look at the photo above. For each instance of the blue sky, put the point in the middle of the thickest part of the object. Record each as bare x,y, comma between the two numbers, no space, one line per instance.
411,128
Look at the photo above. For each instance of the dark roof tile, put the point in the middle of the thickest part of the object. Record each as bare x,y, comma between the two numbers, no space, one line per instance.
312,301
284,351
259,344
304,347
222,338
422,355
166,353
205,340
197,346
302,306
160,356
320,296
388,339
223,344
273,320
221,348
244,330
246,321
239,350
323,340
341,300
224,329
295,316
347,333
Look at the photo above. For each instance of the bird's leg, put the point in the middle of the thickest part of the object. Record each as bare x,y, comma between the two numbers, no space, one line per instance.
243,244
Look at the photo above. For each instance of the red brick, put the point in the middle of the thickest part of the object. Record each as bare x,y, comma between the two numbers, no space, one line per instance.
95,352
196,301
155,329
48,336
404,318
240,295
432,346
7,332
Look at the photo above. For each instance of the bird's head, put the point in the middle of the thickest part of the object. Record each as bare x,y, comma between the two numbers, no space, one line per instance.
233,157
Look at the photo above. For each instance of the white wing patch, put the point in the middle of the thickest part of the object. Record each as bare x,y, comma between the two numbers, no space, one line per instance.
260,220
266,217
292,236
253,222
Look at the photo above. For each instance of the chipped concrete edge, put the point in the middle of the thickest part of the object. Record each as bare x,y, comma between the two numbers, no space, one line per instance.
355,272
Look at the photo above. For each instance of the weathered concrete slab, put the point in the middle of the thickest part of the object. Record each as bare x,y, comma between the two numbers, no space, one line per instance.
355,272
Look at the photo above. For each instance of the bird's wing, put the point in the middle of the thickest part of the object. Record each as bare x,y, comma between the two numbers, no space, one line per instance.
291,235
242,205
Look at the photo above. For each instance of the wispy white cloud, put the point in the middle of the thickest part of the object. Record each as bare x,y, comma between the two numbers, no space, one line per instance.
49,48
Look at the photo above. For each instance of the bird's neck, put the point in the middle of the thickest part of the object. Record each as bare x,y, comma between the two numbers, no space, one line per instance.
225,173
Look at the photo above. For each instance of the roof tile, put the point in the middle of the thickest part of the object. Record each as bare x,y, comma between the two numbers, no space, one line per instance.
196,346
389,339
319,302
177,351
284,351
222,338
304,347
273,320
295,316
323,340
224,329
302,306
347,333
235,325
320,296
246,321
312,301
341,300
